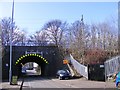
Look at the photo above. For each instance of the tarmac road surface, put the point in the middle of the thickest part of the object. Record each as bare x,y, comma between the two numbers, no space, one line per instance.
33,83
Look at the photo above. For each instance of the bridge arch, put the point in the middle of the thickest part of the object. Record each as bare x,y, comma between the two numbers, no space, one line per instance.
31,55
42,62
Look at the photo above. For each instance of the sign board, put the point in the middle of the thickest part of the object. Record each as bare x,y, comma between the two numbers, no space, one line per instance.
65,61
101,66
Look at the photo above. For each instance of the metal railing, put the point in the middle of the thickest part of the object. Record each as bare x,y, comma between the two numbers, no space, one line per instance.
112,66
81,69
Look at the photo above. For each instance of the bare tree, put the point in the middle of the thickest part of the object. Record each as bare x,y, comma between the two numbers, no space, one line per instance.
6,24
39,38
55,29
79,35
103,38
108,37
82,38
93,36
17,34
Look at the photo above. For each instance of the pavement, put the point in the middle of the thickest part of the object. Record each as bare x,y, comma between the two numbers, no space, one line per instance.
7,86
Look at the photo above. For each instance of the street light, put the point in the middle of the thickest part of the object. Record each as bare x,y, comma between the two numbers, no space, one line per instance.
10,69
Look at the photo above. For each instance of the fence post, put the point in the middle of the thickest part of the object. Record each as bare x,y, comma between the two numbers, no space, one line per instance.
88,72
105,71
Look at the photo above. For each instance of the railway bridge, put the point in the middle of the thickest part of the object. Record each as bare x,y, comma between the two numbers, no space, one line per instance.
47,57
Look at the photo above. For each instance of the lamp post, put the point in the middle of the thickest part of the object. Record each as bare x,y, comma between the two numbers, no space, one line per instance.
10,69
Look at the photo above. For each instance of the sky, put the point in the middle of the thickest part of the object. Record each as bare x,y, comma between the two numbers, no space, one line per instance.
31,16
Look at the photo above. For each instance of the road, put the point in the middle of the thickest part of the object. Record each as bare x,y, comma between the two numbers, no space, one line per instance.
40,82
32,83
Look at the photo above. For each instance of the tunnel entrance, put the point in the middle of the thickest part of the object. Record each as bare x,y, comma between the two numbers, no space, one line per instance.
31,64
31,69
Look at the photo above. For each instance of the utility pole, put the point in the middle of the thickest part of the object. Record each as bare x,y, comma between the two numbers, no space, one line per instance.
10,69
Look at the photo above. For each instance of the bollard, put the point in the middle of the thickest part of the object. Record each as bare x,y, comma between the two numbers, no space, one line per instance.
14,80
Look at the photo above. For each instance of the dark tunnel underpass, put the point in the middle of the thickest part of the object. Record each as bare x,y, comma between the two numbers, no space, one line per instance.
42,62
